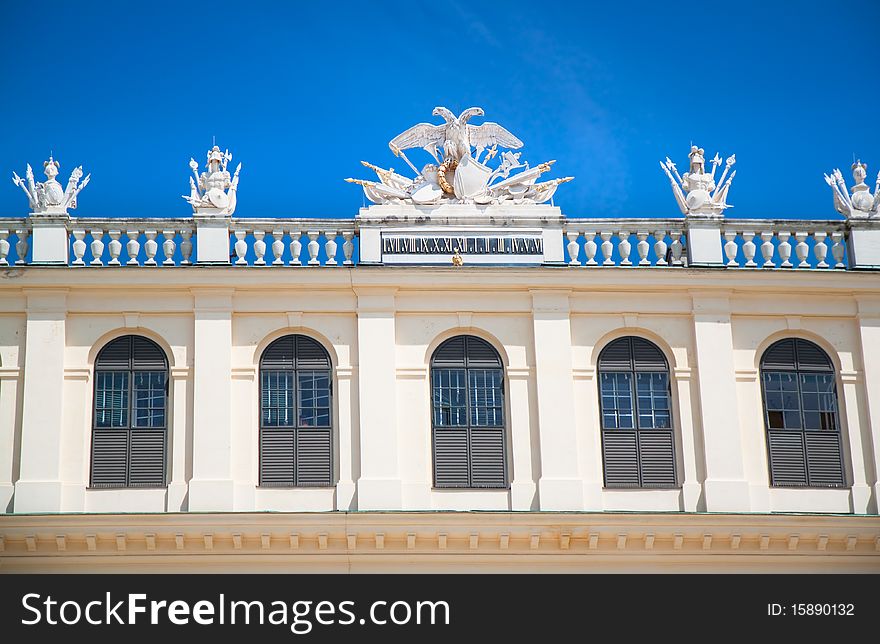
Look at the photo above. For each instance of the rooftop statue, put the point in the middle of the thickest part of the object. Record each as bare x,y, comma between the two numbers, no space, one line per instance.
861,204
696,191
460,174
48,197
213,192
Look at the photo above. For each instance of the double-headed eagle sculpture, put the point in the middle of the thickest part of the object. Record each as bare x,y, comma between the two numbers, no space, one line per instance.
460,173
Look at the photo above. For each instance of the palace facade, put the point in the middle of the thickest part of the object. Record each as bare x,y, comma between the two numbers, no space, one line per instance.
444,387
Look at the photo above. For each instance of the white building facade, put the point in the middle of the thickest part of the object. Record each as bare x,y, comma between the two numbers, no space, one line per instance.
452,387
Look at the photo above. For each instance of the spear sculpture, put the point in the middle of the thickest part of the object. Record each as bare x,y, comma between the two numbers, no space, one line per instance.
841,199
715,163
730,161
722,193
669,168
21,184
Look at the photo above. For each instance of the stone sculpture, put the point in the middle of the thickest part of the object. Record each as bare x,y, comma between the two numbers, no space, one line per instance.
48,197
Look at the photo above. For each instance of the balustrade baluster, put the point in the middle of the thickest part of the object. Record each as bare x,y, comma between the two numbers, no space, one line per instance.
802,250
295,247
348,247
115,247
97,246
642,248
607,249
730,247
240,247
784,249
168,247
624,247
278,247
573,248
750,248
767,249
330,246
821,248
660,247
837,249
21,246
79,247
186,247
590,248
4,247
676,246
150,247
133,247
313,248
259,248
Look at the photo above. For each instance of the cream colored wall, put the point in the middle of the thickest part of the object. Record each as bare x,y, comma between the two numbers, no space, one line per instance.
380,327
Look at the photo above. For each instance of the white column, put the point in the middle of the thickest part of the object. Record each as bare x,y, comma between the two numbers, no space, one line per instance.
345,487
726,488
212,486
690,482
704,240
560,486
179,428
9,387
212,238
379,485
49,239
869,331
522,485
859,433
39,488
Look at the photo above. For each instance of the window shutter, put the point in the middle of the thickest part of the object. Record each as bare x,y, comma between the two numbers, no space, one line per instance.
824,462
109,457
115,355
617,356
146,354
314,456
279,354
487,457
480,353
810,357
656,458
647,356
451,457
147,458
277,452
451,353
621,458
310,354
788,467
780,356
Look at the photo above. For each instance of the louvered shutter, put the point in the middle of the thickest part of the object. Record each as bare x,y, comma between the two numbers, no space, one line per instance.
296,456
620,456
656,458
451,465
469,456
277,457
110,457
130,456
801,457
641,457
487,457
824,459
788,465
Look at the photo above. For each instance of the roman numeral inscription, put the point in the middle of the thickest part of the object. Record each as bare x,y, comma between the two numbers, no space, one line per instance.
463,244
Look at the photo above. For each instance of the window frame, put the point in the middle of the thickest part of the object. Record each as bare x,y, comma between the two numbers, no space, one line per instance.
633,371
296,427
469,406
802,431
129,427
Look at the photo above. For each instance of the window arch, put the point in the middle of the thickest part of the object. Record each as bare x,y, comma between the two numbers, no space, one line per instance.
296,426
801,415
638,448
467,428
130,421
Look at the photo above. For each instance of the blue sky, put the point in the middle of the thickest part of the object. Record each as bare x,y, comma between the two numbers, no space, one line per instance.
300,93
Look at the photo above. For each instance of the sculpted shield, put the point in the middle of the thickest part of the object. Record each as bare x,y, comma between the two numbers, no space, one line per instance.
471,178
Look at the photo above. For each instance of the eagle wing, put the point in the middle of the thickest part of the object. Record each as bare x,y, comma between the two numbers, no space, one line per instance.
418,136
488,134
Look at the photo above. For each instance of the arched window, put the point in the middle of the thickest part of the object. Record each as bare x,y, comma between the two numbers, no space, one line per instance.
638,449
296,427
800,411
467,385
130,421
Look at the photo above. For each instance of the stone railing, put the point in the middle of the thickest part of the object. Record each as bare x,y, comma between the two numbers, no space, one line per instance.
620,242
293,242
693,241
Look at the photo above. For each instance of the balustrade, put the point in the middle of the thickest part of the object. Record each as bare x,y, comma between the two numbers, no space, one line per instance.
657,243
807,241
303,245
131,243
